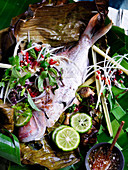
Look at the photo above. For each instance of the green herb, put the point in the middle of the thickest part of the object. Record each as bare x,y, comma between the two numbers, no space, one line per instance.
31,51
32,104
15,73
14,61
22,109
22,92
24,78
44,64
52,80
53,71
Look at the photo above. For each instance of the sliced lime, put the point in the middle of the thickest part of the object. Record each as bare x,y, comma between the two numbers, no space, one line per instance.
67,139
81,122
56,130
22,120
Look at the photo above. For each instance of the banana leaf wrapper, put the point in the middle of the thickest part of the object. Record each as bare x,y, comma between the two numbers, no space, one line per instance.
48,155
55,25
6,117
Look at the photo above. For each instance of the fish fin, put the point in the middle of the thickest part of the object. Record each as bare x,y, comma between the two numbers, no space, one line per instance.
96,29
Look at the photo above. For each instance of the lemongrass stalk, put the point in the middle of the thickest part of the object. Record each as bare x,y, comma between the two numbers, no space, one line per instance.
109,58
2,65
106,113
103,99
97,82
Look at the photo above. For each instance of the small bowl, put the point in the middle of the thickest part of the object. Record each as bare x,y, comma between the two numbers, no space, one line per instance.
115,149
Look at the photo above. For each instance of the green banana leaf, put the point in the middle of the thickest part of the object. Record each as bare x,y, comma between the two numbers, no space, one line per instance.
12,8
9,147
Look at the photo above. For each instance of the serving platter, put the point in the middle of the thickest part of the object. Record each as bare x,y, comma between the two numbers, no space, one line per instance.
118,111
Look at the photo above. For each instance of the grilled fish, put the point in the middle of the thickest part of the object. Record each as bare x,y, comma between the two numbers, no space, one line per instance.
74,64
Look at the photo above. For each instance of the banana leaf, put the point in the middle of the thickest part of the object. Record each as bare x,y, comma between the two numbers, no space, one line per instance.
48,155
9,147
6,117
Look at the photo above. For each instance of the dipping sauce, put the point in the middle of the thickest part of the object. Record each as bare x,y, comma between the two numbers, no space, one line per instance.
99,160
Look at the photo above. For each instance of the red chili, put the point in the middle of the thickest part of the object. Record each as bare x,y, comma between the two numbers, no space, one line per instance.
37,49
97,77
120,72
51,62
109,82
42,56
98,71
27,57
103,78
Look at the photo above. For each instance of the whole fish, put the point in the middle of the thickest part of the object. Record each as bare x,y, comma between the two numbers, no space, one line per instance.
74,64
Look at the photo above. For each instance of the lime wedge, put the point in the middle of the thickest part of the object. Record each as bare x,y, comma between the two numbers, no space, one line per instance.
67,139
22,120
81,122
56,130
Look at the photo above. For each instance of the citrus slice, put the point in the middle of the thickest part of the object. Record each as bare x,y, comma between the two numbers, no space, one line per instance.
81,122
22,120
56,130
67,139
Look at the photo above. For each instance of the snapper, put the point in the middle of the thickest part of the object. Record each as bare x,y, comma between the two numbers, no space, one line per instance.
74,64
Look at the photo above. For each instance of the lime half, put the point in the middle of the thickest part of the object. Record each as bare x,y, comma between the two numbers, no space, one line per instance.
22,120
56,130
81,122
67,139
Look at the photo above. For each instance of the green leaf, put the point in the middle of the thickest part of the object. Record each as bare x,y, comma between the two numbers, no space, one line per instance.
52,80
40,84
32,51
118,111
7,71
22,92
24,78
123,101
47,55
53,71
15,73
32,104
111,101
44,64
123,140
41,80
15,61
115,126
9,147
44,74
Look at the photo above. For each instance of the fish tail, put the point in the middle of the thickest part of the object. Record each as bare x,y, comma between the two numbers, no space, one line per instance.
96,29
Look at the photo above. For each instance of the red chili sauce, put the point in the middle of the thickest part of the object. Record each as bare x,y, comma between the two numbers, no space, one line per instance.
99,160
